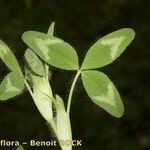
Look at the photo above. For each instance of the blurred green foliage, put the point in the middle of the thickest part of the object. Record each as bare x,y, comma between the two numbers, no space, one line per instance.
82,22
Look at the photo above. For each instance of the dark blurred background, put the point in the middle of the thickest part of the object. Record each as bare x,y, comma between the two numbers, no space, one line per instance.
81,23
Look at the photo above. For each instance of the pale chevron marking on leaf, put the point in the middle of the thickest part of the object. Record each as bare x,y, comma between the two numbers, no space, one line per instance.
43,45
3,51
107,97
114,43
10,87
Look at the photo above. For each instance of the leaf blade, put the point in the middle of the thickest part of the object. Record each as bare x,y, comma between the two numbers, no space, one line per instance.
108,48
8,58
11,86
52,50
34,62
102,92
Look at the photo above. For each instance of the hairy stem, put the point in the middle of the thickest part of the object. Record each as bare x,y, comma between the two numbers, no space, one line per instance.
71,91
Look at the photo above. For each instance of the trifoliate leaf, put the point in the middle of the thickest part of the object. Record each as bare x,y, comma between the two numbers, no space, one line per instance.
11,86
102,92
34,62
52,50
108,48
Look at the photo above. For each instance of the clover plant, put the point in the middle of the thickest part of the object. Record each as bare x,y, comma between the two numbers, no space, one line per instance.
46,50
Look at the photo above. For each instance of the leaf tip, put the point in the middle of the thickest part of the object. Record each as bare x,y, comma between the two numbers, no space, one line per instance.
51,29
130,32
119,112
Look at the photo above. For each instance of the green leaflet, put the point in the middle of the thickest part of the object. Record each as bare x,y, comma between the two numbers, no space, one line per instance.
12,85
8,58
98,86
52,50
34,62
108,48
102,92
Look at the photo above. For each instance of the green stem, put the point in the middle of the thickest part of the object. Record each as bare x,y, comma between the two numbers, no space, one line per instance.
71,91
